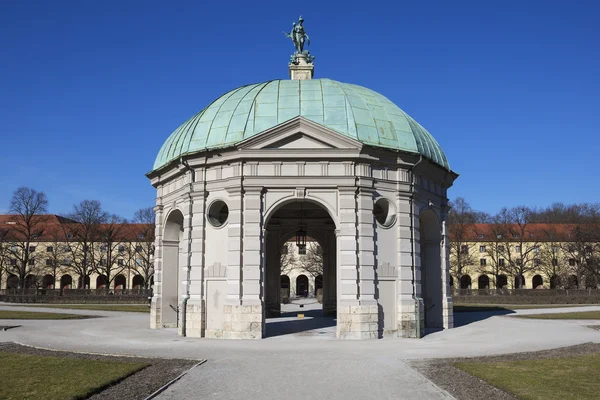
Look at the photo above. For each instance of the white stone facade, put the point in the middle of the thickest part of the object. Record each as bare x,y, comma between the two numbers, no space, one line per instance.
379,215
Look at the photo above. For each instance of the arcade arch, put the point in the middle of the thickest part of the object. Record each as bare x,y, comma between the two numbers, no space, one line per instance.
171,261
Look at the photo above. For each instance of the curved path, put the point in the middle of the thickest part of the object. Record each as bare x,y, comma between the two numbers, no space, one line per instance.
293,366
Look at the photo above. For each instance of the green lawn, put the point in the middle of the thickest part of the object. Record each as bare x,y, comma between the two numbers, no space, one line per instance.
568,315
501,307
98,307
8,314
570,378
27,376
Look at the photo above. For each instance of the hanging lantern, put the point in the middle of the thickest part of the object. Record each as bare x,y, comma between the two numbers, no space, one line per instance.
301,238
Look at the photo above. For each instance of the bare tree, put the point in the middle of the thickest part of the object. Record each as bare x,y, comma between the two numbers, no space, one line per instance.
287,259
312,261
551,257
493,249
4,252
460,231
26,226
520,246
107,249
82,237
141,257
55,254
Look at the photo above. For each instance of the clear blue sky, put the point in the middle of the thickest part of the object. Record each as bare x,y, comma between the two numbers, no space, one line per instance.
89,90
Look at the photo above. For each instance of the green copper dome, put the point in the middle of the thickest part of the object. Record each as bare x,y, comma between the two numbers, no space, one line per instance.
351,110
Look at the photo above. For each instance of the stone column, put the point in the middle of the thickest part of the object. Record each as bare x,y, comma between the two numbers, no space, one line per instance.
196,305
329,274
155,307
410,308
184,264
272,274
448,306
243,313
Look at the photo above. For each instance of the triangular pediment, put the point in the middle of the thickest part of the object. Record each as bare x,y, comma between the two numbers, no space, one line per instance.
299,134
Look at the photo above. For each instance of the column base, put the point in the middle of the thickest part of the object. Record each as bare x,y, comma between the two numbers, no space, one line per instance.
358,322
448,313
411,322
194,319
242,322
155,313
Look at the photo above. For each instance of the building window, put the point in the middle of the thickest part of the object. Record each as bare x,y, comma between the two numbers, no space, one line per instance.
120,262
121,248
501,262
31,249
536,249
31,262
103,262
49,249
554,262
138,249
140,236
49,262
518,249
516,236
554,249
139,262
519,263
501,249
482,249
464,249
67,261
482,262
69,236
571,262
103,248
536,262
67,249
13,262
499,236
480,236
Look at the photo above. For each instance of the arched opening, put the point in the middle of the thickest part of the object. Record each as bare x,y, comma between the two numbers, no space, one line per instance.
465,282
319,285
572,282
554,282
451,281
66,282
285,289
519,282
171,261
432,271
300,244
138,282
100,281
48,281
30,281
120,282
483,282
80,283
302,286
537,282
501,281
12,282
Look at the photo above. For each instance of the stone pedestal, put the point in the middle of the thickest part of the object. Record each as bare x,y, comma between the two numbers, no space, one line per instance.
411,322
302,70
194,319
242,321
155,313
358,322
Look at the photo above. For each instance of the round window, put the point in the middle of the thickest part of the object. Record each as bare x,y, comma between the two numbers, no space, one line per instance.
218,212
385,212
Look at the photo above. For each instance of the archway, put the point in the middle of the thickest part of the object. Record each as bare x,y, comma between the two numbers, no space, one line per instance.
501,281
80,285
302,286
519,282
285,288
172,237
120,282
465,282
572,282
48,282
30,281
100,281
318,285
66,281
300,222
483,282
12,282
537,282
430,234
554,282
138,282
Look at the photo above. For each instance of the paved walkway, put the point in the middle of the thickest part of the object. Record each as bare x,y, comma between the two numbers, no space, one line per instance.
296,366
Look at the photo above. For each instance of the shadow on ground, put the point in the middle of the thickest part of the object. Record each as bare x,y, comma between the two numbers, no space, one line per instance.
469,315
289,323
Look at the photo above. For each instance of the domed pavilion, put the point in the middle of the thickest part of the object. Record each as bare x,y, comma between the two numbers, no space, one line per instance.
290,159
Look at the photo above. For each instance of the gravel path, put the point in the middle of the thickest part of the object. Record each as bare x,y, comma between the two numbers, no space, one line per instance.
465,386
137,386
